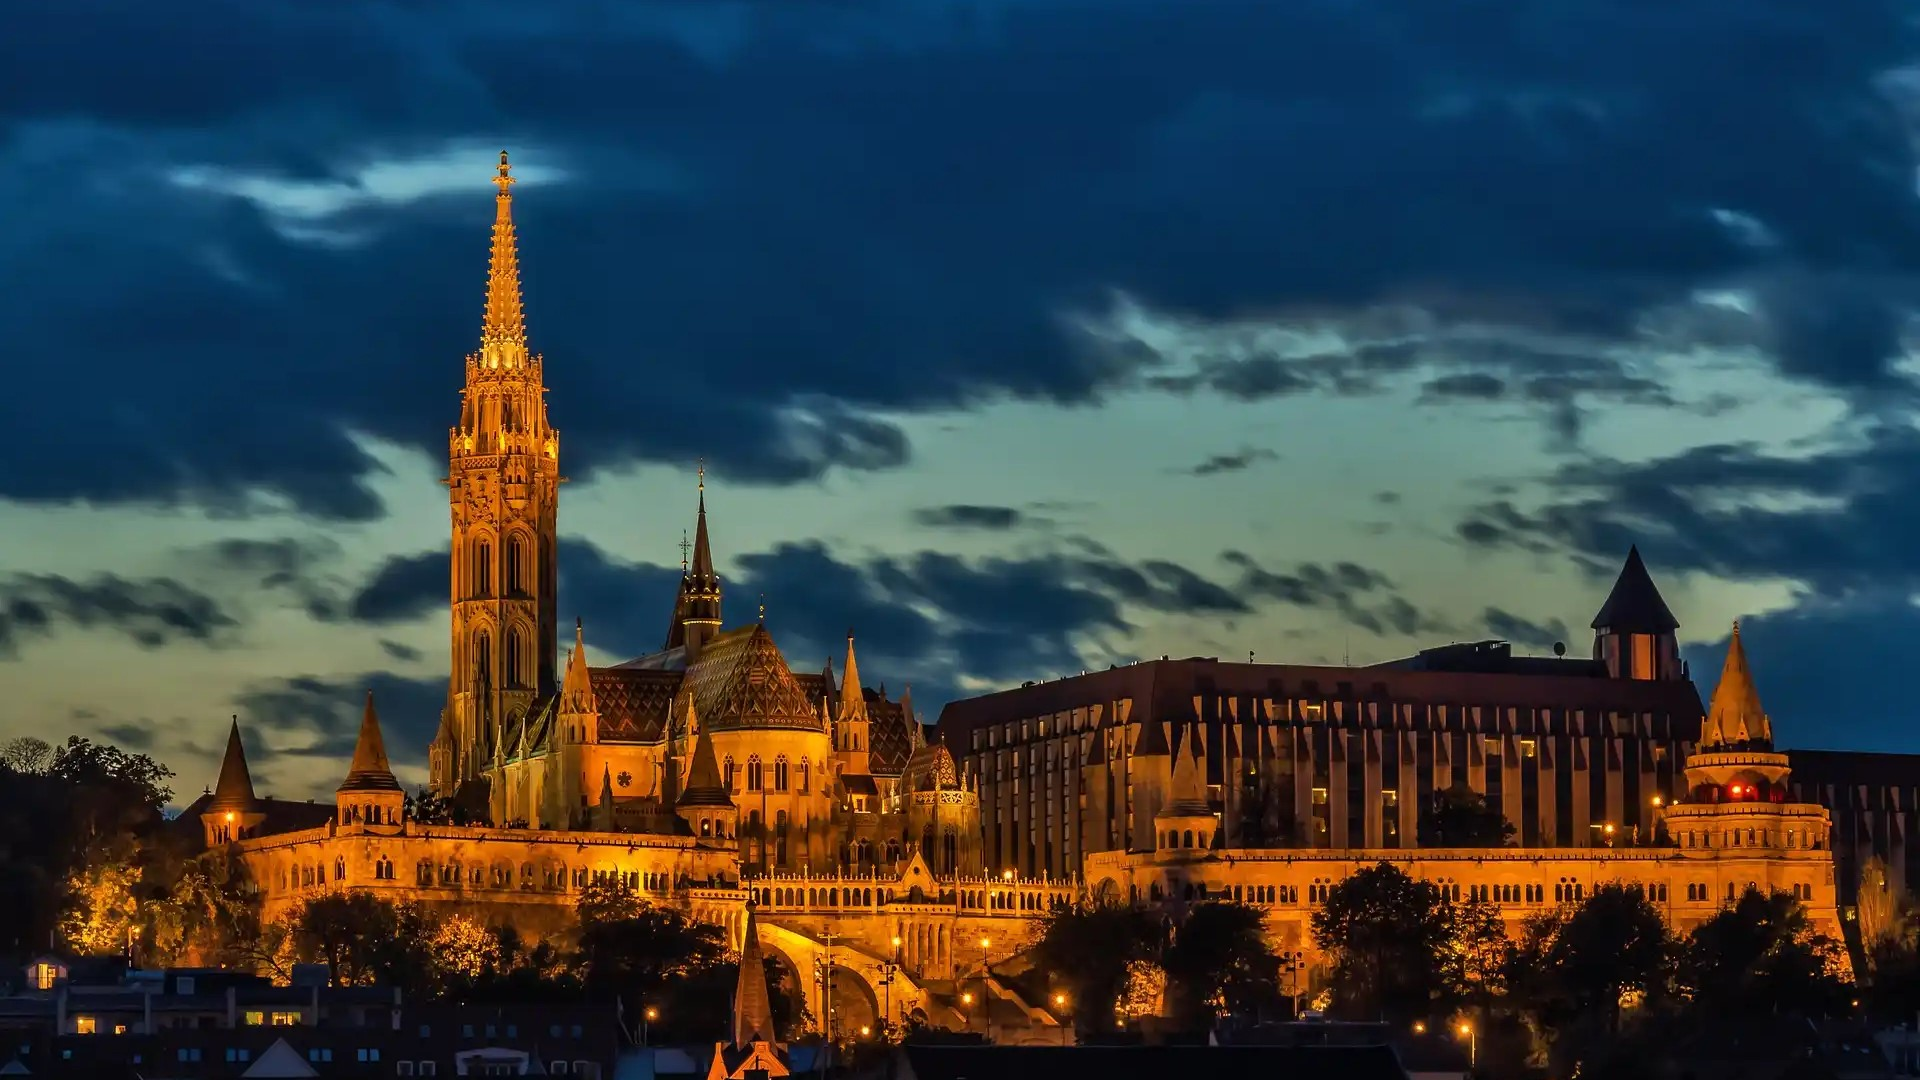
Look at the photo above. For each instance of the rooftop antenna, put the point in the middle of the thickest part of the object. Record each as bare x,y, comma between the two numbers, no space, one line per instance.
1346,651
1249,656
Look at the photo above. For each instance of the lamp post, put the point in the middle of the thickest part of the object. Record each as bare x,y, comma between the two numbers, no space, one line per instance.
647,1016
887,968
1292,963
1473,1044
986,973
1060,1011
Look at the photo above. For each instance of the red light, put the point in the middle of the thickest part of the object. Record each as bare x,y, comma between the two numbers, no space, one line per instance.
1734,790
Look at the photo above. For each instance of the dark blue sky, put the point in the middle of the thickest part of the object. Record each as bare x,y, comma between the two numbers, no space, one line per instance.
1019,336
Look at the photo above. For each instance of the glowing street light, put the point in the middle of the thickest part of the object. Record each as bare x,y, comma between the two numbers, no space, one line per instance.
647,1016
1473,1044
1419,1027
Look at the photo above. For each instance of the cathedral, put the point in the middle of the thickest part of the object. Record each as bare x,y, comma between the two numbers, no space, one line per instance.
808,815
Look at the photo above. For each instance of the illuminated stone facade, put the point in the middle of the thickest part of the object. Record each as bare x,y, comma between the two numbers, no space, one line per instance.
710,774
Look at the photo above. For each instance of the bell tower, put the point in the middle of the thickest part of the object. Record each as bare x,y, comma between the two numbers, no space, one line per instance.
503,484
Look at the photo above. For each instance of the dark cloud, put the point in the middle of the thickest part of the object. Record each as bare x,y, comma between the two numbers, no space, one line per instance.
151,611
401,652
725,215
1472,385
404,587
325,711
1524,631
1840,520
1244,458
968,516
135,738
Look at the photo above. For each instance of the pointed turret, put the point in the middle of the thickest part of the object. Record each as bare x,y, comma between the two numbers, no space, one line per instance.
233,813
704,784
752,1006
1634,631
369,795
234,790
603,806
853,726
696,610
1736,721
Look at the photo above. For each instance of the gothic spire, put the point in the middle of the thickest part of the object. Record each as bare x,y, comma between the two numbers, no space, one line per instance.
752,1007
505,322
853,698
696,610
235,786
704,786
702,549
1735,720
370,771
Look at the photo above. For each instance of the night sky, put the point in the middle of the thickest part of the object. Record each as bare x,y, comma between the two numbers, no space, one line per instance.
1020,337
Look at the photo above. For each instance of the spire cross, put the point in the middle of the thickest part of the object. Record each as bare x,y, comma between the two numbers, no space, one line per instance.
684,548
703,474
505,178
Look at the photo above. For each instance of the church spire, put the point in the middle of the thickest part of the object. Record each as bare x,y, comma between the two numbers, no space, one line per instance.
1633,635
505,322
1735,720
696,611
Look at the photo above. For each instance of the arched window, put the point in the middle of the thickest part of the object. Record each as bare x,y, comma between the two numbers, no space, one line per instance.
516,567
727,774
804,773
482,568
753,773
780,773
483,656
512,658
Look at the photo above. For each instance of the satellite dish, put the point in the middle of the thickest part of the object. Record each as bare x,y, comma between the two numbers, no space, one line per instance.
1559,648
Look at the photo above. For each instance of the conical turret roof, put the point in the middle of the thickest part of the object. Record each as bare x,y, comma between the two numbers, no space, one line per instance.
1635,606
1735,719
704,787
370,771
234,790
752,1006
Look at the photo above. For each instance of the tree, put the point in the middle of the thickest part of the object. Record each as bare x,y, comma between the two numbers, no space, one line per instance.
426,808
1219,964
1459,817
606,900
463,952
1089,948
1573,968
196,911
1486,953
636,958
102,915
365,940
1760,957
1392,942
1880,904
25,754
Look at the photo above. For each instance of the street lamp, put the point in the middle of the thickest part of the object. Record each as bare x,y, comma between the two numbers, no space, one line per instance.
1473,1044
647,1016
1060,1011
1419,1027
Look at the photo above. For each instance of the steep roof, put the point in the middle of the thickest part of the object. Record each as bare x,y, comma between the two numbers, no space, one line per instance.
752,1006
1735,719
235,787
1634,606
740,680
704,787
370,771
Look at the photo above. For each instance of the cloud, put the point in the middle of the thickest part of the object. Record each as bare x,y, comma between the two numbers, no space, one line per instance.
1237,461
1839,518
152,612
1524,631
319,716
970,516
404,588
307,189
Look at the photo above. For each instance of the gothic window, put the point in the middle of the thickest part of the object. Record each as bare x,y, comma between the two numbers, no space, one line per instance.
483,656
726,778
753,773
512,658
780,773
516,567
893,851
949,853
482,568
804,772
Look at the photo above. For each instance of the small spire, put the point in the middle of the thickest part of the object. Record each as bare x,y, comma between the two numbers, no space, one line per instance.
853,698
752,1006
579,633
763,609
235,786
370,770
1736,719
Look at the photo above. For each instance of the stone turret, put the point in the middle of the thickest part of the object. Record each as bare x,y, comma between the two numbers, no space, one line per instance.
1633,635
1150,771
233,813
370,797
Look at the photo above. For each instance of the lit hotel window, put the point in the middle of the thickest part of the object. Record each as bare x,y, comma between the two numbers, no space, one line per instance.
84,1025
1319,796
1526,748
1312,710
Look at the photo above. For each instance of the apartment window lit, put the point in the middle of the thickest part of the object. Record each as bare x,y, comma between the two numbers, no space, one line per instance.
1319,796
1527,748
253,1018
44,975
85,1025
1389,797
1312,710
284,1019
